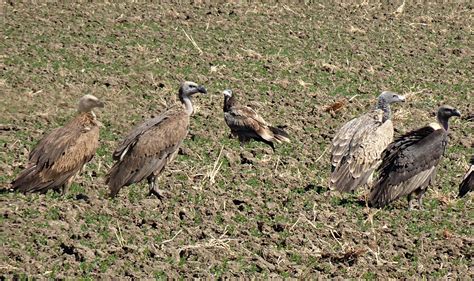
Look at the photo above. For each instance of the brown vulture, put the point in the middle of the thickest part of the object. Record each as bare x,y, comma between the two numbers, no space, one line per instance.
357,147
409,163
149,147
246,124
467,185
61,154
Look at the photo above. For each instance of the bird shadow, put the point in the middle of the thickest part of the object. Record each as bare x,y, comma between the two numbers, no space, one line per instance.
352,201
6,190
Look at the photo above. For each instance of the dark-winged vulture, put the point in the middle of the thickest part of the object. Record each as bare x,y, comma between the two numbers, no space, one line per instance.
149,147
357,147
467,185
62,153
246,124
409,163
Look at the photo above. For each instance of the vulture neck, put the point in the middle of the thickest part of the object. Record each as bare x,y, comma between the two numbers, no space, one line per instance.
228,103
443,122
385,107
188,105
90,112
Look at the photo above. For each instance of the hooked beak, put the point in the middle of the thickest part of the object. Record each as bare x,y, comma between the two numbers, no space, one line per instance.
100,104
201,89
456,113
401,98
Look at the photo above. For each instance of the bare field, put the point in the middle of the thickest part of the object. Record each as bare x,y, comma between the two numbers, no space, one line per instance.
233,211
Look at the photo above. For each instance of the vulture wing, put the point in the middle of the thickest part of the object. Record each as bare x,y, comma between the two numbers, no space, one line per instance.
357,149
467,185
60,155
246,123
134,135
408,163
147,149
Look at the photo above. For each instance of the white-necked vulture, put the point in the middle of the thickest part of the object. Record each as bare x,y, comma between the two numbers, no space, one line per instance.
467,185
61,154
246,124
357,147
409,163
149,147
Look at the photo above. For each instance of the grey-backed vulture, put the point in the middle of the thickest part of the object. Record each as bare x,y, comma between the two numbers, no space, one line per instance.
149,147
357,147
467,185
62,153
246,124
409,163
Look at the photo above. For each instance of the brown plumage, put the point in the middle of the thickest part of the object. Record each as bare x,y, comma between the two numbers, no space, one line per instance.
246,124
409,163
149,147
61,154
357,147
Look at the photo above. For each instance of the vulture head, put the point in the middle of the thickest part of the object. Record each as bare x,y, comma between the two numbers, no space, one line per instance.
388,97
227,93
445,112
188,88
88,102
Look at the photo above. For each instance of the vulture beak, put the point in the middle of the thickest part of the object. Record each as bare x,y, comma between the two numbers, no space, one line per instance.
100,104
456,113
201,89
401,98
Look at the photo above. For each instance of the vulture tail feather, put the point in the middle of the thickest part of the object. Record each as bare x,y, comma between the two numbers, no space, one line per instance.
280,134
115,179
24,181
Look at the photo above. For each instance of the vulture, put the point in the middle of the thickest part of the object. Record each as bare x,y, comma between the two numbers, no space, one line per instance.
467,185
246,124
149,147
409,163
62,153
357,147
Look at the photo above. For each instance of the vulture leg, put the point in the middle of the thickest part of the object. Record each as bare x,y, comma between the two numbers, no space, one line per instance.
153,189
66,185
64,189
410,202
420,199
270,144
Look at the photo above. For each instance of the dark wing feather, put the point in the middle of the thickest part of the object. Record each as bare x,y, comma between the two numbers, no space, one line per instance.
150,150
408,164
59,156
467,185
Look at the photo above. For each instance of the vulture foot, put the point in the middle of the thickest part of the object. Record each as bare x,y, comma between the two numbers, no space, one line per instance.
156,191
160,193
